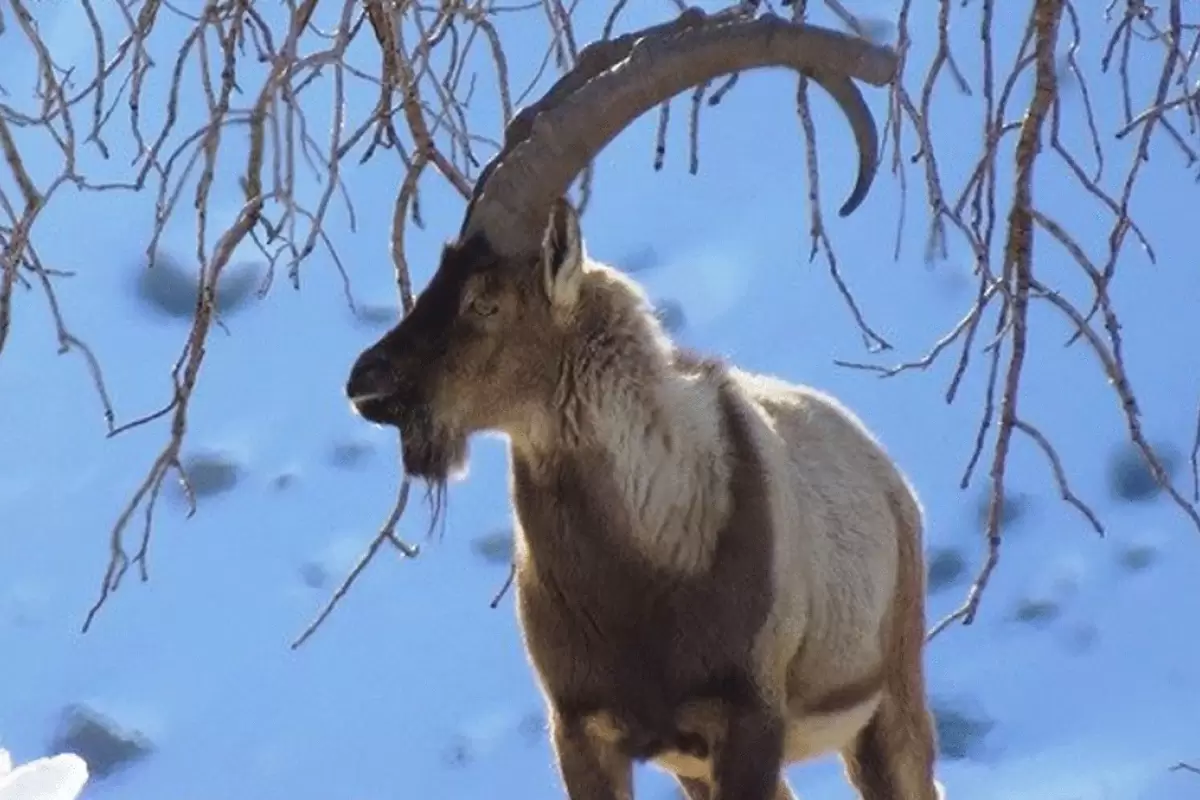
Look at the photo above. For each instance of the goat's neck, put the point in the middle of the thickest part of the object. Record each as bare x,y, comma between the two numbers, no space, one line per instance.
659,435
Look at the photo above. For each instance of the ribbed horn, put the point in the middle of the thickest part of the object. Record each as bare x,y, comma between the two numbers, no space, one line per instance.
615,81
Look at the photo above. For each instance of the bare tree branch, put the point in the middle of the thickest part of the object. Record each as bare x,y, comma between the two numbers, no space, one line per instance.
181,101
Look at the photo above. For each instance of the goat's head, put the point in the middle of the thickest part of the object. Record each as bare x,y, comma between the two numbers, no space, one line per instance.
479,349
482,346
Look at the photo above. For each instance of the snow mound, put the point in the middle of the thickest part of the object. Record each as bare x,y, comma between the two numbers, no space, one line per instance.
58,777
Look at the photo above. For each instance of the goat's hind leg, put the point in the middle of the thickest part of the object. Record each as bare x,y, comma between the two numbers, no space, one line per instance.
892,758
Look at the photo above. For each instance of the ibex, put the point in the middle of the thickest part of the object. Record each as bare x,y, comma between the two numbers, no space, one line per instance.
716,571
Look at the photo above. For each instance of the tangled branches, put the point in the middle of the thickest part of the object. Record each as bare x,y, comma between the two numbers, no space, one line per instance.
1004,256
229,101
227,52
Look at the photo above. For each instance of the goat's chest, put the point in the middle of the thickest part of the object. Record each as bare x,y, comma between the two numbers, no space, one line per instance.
610,632
610,636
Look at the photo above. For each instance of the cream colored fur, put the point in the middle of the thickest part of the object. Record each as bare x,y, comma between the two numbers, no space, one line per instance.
661,429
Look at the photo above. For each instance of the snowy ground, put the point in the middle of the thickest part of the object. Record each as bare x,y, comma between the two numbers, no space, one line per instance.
58,777
1079,679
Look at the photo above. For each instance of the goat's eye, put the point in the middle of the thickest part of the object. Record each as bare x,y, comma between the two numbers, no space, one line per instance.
483,307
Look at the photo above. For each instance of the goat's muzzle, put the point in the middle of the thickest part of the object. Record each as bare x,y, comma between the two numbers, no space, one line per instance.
373,388
379,393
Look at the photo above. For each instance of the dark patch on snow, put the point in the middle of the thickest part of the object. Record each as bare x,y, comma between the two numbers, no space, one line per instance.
946,566
1080,639
670,314
284,481
99,741
350,454
1036,612
211,472
170,290
495,547
376,315
961,732
314,575
1129,476
1137,557
458,753
640,260
1012,508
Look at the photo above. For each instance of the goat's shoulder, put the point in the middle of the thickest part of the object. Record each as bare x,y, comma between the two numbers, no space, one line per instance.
798,405
823,437
847,500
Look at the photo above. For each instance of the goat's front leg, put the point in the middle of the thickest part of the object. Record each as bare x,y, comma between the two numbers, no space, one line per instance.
592,767
696,789
748,764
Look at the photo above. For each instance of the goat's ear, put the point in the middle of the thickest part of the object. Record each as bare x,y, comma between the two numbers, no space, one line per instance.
562,255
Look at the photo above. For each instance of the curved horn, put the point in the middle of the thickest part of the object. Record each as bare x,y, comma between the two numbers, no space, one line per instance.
615,81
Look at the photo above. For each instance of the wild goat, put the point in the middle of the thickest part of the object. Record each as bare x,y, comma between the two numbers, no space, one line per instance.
716,571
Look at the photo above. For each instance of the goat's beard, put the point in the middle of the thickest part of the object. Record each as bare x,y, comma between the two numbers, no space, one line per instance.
432,452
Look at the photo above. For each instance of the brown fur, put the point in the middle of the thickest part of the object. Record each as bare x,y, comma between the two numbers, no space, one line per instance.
716,571
662,641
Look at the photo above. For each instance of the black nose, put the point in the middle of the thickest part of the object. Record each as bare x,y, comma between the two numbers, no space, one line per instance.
371,376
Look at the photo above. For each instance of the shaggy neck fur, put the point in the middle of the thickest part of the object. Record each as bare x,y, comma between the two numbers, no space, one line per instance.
627,401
